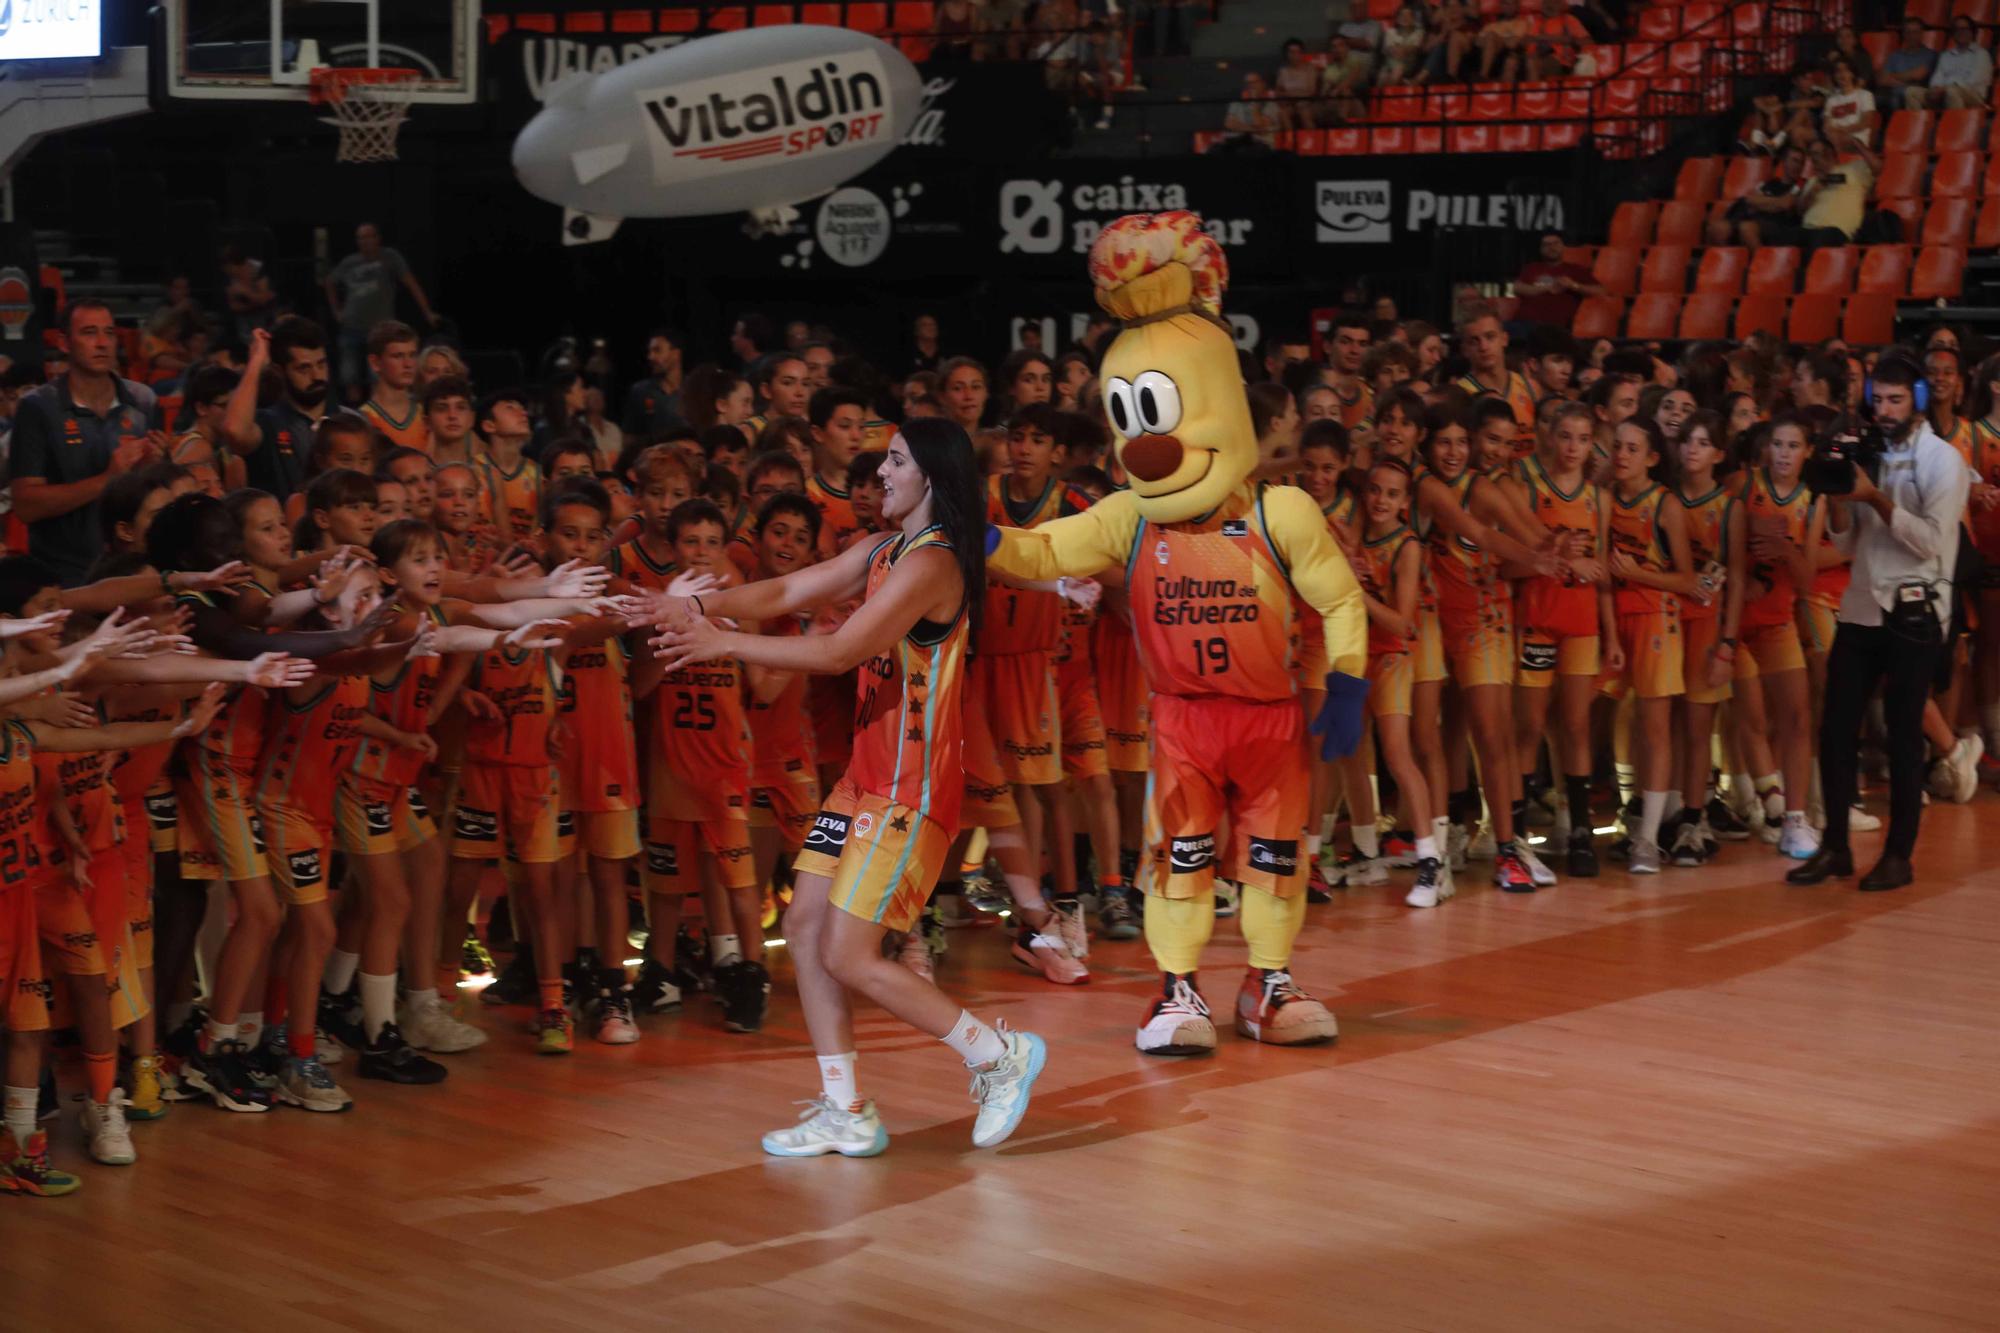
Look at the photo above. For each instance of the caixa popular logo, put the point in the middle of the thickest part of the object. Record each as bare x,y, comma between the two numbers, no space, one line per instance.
1043,217
1354,212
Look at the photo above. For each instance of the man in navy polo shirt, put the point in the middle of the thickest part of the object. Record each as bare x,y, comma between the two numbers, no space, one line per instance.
274,442
72,435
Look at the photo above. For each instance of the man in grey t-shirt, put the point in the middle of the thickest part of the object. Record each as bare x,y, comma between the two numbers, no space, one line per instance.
361,289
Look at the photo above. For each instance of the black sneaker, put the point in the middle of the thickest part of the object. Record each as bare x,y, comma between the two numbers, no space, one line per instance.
185,1040
223,1073
1581,861
656,991
266,1060
47,1104
690,960
392,1060
516,984
473,959
340,1018
744,989
1723,823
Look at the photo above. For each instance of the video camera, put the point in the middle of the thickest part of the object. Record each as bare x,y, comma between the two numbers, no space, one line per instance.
1830,470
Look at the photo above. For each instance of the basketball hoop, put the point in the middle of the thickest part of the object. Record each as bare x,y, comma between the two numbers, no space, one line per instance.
369,107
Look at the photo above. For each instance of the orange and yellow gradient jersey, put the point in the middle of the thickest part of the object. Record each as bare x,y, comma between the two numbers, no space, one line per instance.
631,563
236,736
1519,396
82,782
1636,533
700,735
908,731
600,753
1551,602
1708,521
1763,507
1376,568
28,855
411,432
1468,579
310,744
524,685
837,521
1017,620
781,730
511,500
405,704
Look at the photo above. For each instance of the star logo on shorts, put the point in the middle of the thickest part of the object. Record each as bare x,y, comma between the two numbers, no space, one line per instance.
900,824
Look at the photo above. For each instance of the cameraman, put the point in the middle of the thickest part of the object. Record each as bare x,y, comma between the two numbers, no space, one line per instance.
1900,525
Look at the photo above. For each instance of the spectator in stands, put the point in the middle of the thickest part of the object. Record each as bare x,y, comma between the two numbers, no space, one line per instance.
1402,49
1344,83
1449,59
1550,288
275,443
1768,215
1500,42
361,291
953,24
1768,127
1848,118
1847,46
1254,115
1907,69
71,436
1835,199
1962,77
1362,33
1000,29
1297,86
926,351
1554,38
246,290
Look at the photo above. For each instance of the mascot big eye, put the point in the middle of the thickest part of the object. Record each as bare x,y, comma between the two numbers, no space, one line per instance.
1214,567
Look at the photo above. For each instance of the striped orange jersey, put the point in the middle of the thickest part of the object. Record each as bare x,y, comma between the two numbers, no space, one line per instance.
83,782
1550,602
630,562
781,731
837,521
27,853
1343,513
1519,396
600,753
1959,437
700,734
405,704
237,734
1018,620
511,500
1467,579
1358,409
1708,521
1762,505
1986,467
310,745
1212,606
1636,532
411,432
908,731
525,686
1376,568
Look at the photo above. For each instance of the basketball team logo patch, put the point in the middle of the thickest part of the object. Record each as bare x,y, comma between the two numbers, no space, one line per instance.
863,823
1160,552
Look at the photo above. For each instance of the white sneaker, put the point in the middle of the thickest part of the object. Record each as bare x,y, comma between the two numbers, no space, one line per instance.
1226,897
1482,847
103,1125
1047,954
1357,870
1544,877
1797,841
824,1127
304,1083
1644,858
1178,1023
1002,1091
1859,820
1427,891
1770,830
430,1026
1964,759
1075,934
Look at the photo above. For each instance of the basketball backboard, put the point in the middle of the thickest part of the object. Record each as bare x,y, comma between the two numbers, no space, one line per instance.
265,50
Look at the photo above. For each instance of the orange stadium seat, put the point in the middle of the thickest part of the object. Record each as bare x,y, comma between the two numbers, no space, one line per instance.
1561,135
1949,222
1517,138
1760,314
1699,179
1598,317
1940,272
1644,60
1658,23
1962,131
1902,176
1743,175
1774,271
1665,269
1956,176
1831,271
868,17
1685,58
1989,180
1654,315
1885,269
1870,320
911,16
1617,269
1986,232
1813,319
1934,13
1491,103
1979,11
1619,97
1747,20
1878,45
1911,211
1583,256
1632,223
1721,271
1535,101
771,16
1694,18
1908,132
1706,315
1681,222
1346,143
1469,139
827,16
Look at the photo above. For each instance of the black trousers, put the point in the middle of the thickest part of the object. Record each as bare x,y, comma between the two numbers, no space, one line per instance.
1863,657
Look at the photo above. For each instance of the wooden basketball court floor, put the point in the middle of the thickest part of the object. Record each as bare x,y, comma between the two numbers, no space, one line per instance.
1703,1100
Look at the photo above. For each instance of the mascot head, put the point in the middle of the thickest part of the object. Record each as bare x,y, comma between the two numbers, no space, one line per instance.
1172,387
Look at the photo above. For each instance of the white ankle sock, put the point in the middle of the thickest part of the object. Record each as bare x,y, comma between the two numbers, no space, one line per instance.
975,1043
1367,841
1652,806
420,999
339,972
837,1082
1427,848
20,1113
378,1003
723,949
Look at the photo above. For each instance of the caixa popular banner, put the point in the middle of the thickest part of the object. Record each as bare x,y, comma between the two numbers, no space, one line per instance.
1354,212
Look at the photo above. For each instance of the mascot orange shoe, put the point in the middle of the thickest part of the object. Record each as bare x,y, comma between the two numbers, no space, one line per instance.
1213,564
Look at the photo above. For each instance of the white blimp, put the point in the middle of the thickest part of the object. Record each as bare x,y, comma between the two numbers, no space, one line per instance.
741,121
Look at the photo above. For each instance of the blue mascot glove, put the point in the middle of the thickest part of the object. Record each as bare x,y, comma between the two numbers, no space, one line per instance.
1342,715
992,538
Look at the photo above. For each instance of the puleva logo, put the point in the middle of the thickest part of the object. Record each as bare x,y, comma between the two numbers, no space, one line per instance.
1353,212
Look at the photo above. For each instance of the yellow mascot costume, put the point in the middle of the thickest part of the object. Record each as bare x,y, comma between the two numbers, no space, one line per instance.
1212,566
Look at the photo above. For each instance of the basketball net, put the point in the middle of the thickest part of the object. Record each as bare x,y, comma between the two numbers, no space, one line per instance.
369,107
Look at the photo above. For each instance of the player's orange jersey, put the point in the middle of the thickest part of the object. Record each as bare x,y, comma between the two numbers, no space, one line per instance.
1518,396
405,704
468,552
82,780
1708,521
137,771
511,500
781,732
310,745
1762,507
1550,602
1358,409
1467,579
1635,532
631,563
524,686
1343,514
1959,437
1212,606
1376,570
876,434
237,734
27,854
837,521
908,730
1073,655
1017,620
600,754
1986,466
410,432
700,734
